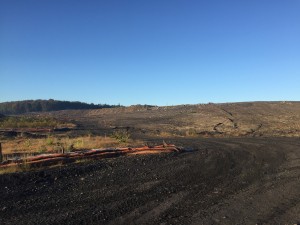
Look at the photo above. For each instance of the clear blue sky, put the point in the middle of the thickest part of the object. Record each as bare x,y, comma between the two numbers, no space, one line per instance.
161,52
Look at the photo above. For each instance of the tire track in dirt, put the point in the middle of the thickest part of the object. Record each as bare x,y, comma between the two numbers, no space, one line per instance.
148,212
229,117
273,199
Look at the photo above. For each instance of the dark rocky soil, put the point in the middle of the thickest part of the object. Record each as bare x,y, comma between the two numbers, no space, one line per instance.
224,181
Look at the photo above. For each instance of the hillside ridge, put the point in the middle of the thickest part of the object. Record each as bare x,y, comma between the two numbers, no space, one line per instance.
217,120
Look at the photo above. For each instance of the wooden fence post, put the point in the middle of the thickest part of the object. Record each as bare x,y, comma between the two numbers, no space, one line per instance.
1,156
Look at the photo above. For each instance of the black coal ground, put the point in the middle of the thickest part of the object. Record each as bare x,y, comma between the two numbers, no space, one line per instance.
224,181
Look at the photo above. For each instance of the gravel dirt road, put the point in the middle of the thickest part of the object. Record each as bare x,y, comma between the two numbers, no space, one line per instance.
223,181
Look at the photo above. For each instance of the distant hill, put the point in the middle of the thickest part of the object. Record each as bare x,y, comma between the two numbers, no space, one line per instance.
19,107
201,120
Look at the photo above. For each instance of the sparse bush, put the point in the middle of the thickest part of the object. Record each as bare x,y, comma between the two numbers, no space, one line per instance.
79,143
121,136
27,143
49,141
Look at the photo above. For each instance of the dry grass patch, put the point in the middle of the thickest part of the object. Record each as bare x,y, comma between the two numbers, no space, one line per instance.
57,144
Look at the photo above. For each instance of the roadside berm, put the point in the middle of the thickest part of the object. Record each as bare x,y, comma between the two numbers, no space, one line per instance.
63,158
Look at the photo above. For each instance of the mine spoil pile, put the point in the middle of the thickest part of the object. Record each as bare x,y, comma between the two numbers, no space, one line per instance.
243,169
245,119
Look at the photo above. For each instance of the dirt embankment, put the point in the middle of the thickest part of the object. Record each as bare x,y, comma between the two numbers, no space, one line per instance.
224,181
202,120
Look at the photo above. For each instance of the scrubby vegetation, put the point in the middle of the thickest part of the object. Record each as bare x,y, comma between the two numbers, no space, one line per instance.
54,144
122,136
31,122
18,107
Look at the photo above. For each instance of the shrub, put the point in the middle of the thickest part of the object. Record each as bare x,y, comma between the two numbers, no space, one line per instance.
49,141
121,136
